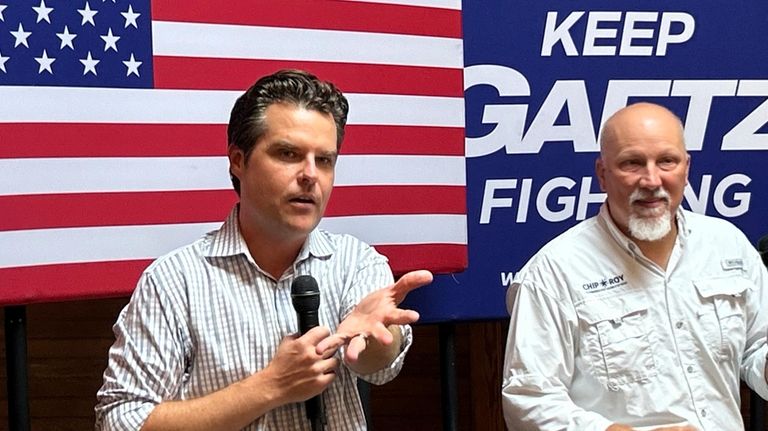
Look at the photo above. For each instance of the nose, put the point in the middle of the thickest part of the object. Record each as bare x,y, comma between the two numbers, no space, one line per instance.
308,173
651,178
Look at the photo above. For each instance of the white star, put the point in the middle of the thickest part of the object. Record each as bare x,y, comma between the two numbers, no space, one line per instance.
130,17
132,65
88,14
66,38
2,8
43,11
89,64
110,40
21,36
3,60
45,63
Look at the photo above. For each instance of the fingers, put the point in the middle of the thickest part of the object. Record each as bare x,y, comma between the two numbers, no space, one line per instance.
402,317
355,347
316,334
329,345
411,281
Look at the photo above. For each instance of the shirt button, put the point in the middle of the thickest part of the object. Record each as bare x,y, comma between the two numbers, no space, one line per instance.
613,386
690,368
703,413
679,325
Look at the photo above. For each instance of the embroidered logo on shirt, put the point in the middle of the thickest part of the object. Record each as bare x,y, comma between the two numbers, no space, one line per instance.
729,264
607,283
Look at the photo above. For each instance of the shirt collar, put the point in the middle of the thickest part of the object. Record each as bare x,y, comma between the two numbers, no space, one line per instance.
627,242
228,241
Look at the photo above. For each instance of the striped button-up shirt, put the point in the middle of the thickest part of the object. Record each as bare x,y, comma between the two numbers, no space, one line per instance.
206,316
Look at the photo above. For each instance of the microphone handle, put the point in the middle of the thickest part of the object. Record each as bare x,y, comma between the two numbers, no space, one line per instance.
308,320
314,405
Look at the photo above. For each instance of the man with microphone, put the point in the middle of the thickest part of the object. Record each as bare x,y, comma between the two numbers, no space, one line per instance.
209,339
644,317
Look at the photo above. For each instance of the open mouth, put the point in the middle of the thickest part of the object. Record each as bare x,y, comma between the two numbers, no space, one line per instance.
305,200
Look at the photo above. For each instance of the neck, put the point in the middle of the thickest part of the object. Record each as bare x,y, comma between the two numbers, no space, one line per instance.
274,258
273,254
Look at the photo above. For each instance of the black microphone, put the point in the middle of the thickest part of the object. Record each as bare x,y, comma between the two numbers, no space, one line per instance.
305,295
762,247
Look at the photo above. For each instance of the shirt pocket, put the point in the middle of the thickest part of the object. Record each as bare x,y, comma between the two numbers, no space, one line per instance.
617,338
722,314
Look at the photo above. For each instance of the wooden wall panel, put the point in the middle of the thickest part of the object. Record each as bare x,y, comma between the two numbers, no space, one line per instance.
67,351
68,343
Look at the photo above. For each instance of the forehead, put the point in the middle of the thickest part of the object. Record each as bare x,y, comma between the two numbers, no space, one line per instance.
287,120
644,130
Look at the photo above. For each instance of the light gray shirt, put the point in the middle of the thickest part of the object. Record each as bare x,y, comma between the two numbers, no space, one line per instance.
206,316
599,334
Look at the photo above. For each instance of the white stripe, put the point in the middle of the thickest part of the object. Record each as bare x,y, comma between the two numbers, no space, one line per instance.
150,106
400,170
183,39
91,244
112,174
442,4
384,109
402,229
118,174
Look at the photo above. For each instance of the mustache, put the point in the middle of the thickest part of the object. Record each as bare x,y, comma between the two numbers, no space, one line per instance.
643,194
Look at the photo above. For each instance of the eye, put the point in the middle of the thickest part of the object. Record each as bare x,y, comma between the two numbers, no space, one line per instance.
287,154
668,163
327,161
631,164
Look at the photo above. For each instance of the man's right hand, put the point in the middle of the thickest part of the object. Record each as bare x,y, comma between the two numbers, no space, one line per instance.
297,372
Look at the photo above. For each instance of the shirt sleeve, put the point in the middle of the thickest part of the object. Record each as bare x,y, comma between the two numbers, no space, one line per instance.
372,273
146,361
754,359
539,365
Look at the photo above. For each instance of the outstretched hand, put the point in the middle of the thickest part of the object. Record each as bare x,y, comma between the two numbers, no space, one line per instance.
373,314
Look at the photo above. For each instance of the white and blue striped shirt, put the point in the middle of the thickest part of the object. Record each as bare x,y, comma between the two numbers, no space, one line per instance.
205,316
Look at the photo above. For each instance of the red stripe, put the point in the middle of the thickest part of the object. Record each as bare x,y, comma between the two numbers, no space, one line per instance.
114,209
438,258
216,73
47,283
365,200
313,14
26,285
22,140
27,140
142,208
444,141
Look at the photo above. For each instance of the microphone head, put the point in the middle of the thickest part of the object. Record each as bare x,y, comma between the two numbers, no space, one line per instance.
762,247
305,294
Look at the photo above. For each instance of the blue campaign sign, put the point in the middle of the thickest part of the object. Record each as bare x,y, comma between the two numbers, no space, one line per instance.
540,79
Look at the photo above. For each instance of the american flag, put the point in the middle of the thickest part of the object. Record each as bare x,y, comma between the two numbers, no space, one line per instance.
113,129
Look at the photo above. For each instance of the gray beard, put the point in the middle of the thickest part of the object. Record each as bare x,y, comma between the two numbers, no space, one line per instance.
650,228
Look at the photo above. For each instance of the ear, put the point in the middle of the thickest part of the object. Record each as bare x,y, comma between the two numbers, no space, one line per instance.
600,172
236,160
687,166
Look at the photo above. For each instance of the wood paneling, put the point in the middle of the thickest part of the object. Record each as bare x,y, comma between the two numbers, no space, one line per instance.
67,353
68,343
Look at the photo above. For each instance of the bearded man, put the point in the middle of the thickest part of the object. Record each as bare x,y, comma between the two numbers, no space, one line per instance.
645,316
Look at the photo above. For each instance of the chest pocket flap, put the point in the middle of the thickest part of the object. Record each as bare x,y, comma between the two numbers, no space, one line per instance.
617,318
722,286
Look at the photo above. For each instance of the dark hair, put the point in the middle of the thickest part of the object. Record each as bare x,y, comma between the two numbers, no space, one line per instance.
247,122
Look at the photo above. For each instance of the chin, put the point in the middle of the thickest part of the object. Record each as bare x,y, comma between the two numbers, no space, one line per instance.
650,228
